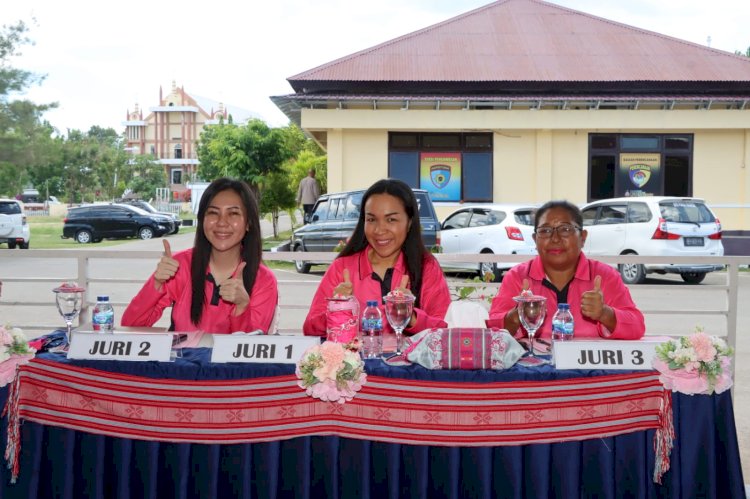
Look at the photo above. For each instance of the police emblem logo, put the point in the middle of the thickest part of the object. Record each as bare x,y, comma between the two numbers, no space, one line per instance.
440,175
639,175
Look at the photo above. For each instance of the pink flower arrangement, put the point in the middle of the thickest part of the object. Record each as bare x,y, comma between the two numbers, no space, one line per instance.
14,351
331,372
696,364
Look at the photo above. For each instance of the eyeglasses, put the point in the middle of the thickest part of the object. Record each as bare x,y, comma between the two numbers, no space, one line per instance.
563,230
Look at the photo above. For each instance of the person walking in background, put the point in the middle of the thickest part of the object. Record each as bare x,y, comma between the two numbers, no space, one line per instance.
308,193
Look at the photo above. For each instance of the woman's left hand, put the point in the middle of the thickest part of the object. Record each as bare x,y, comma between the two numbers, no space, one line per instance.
403,287
592,302
233,290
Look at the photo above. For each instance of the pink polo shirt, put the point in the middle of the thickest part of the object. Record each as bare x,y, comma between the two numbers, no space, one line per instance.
630,322
434,298
148,305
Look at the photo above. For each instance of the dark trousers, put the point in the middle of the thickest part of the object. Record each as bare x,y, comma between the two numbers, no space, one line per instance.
307,212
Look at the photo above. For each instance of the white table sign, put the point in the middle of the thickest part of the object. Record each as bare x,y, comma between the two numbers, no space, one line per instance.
606,354
261,348
127,346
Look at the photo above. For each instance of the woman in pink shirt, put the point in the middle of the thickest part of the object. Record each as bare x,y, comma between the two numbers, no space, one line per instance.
384,253
221,284
600,302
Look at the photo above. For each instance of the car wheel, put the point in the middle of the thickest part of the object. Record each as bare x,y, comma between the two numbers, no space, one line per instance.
302,267
491,267
693,277
145,233
632,273
11,244
25,245
83,236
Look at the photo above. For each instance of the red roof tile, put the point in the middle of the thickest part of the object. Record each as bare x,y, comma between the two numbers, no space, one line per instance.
531,40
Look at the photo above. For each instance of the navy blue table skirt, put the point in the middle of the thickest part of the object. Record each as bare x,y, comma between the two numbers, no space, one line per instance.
57,462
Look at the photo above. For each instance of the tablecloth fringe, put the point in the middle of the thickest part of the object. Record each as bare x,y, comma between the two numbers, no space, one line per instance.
13,446
664,437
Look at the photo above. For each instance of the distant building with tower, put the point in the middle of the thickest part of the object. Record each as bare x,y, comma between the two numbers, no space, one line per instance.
171,130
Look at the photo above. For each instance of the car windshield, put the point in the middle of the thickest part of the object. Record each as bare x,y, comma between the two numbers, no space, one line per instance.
140,211
146,206
685,211
10,208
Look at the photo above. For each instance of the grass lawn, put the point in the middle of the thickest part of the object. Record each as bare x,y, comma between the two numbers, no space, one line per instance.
46,233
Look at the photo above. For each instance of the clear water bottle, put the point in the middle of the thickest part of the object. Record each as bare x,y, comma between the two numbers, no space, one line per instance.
562,323
372,331
103,316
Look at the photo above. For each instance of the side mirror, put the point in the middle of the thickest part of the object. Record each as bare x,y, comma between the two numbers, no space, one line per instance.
315,218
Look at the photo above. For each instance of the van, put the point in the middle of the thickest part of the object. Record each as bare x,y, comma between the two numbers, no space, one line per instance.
334,217
653,226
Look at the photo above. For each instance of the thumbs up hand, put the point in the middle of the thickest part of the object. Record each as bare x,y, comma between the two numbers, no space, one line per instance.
166,268
233,290
344,288
526,291
403,286
592,302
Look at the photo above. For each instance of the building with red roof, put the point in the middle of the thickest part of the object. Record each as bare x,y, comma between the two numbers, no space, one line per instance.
523,100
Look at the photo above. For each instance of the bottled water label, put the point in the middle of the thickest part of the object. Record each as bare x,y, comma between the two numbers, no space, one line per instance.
372,326
562,330
103,319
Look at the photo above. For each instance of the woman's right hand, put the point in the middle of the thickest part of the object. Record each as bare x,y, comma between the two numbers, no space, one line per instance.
344,288
166,268
512,321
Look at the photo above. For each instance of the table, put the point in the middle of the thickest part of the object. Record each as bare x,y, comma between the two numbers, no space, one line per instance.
60,462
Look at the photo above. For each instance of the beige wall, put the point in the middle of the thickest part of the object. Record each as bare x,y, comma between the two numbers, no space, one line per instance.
542,155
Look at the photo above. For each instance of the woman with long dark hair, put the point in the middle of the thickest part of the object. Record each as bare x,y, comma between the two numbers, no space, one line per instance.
385,253
220,285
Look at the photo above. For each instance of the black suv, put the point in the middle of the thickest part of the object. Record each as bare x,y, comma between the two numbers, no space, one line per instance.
145,205
335,215
95,222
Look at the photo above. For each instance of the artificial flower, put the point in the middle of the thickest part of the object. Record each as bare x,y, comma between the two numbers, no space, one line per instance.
14,351
696,364
331,372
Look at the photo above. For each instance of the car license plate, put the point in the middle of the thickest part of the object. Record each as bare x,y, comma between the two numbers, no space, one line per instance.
693,241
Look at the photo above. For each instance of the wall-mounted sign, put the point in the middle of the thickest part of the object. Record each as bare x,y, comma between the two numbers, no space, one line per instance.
639,174
440,175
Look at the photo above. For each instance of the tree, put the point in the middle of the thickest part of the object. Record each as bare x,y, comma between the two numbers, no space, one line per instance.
276,196
21,126
144,176
306,161
250,152
746,53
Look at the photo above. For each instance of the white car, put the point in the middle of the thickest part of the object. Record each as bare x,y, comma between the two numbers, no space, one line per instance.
14,229
502,229
653,226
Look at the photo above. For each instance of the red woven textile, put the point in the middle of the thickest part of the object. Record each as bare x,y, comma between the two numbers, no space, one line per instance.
386,409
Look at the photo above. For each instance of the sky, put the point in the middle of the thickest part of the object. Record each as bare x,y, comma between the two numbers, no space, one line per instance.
100,59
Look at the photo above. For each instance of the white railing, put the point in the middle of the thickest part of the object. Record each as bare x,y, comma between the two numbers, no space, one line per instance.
82,261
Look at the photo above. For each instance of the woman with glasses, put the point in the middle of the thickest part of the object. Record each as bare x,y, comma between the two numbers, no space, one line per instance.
600,302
